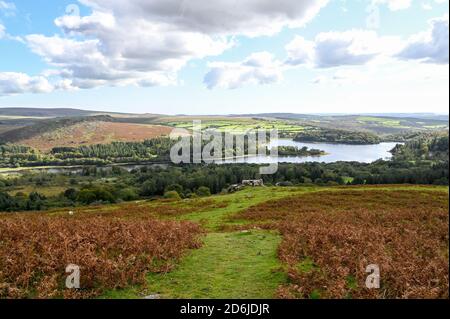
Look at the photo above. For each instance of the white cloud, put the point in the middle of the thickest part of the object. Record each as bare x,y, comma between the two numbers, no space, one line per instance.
333,49
395,5
258,68
430,46
300,51
350,49
2,31
16,83
7,6
146,42
250,17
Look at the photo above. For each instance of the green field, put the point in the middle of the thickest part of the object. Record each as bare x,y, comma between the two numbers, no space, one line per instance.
239,125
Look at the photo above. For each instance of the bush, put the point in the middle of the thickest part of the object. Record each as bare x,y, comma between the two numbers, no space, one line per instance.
95,194
86,196
7,203
128,194
172,195
148,188
71,194
175,187
203,191
285,184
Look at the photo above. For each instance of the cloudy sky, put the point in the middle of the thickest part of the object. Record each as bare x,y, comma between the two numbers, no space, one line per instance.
226,56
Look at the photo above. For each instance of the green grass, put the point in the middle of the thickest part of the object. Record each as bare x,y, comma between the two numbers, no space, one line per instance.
237,264
307,265
213,219
229,265
240,125
381,121
44,190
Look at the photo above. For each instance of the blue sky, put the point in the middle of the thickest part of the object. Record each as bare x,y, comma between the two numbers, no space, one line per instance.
178,57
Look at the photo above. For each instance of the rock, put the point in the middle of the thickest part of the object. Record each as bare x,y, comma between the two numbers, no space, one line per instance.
155,296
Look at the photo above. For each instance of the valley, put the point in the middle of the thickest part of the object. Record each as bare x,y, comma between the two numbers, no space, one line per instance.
100,191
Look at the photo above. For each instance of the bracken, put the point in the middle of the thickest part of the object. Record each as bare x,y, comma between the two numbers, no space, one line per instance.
330,237
111,252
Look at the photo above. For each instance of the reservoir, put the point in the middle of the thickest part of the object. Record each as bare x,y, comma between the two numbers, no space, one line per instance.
335,153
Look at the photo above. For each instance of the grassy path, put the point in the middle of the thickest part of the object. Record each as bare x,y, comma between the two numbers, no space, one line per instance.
232,264
229,265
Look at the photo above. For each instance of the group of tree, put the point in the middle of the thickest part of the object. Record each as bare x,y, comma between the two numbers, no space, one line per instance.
322,135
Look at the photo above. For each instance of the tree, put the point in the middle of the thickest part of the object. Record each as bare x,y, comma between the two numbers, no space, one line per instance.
7,203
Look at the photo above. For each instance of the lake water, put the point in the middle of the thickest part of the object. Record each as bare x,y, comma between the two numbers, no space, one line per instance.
335,153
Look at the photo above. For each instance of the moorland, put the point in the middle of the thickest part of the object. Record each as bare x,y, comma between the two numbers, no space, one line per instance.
98,189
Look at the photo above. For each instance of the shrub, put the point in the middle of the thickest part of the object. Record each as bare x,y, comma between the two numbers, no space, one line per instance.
175,187
337,234
128,194
172,195
71,194
203,191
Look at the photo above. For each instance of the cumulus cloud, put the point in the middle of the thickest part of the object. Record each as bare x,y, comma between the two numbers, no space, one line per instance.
2,31
146,42
333,49
300,51
258,68
16,83
250,17
431,46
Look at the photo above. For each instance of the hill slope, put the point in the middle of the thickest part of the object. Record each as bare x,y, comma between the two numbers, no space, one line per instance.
43,112
77,131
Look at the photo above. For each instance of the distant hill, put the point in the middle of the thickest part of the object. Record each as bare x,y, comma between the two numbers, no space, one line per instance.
426,116
43,112
299,116
64,112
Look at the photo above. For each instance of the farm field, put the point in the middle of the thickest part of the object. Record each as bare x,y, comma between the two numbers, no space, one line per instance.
268,242
237,125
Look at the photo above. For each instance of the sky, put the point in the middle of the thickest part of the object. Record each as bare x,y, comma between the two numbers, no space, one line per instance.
226,56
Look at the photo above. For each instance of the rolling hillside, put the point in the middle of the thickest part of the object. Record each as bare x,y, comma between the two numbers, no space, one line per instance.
267,242
102,129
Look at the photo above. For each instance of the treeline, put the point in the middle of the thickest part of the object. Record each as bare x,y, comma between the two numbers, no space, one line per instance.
297,151
337,136
153,150
21,202
96,186
103,154
428,147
